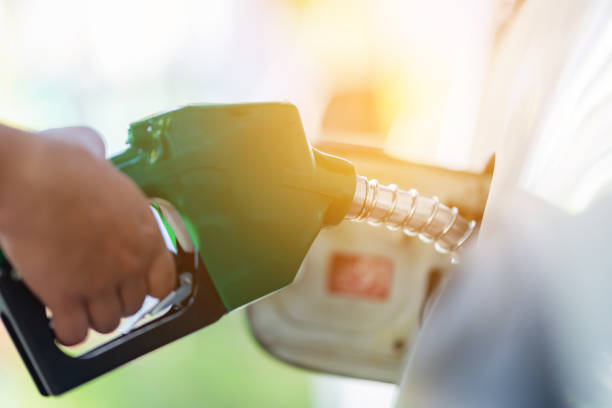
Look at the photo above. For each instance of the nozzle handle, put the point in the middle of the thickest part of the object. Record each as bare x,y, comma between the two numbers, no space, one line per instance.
55,372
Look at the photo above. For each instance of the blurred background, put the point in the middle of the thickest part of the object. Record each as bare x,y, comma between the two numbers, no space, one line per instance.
402,75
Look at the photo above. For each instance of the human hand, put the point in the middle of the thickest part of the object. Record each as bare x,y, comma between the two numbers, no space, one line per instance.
80,233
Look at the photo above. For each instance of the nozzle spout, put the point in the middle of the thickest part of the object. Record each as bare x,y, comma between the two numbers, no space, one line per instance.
415,215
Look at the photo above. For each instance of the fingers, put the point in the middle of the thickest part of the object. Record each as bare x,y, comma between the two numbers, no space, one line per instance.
70,323
132,294
162,275
82,136
104,312
71,320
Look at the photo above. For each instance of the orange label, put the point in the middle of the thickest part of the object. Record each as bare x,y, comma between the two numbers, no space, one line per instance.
364,276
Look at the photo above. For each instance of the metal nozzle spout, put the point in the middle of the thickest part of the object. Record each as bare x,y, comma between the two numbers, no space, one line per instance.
426,217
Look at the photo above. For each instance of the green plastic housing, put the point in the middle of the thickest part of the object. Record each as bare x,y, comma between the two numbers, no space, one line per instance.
249,187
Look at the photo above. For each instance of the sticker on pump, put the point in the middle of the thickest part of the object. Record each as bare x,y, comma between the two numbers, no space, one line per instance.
363,276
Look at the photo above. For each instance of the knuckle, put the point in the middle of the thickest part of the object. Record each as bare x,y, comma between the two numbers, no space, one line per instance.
88,131
149,229
82,136
151,234
91,135
99,283
128,261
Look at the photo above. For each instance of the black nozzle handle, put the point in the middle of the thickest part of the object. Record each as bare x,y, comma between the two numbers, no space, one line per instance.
55,372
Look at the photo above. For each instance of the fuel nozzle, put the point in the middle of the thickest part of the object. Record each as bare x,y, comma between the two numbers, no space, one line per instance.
413,214
254,194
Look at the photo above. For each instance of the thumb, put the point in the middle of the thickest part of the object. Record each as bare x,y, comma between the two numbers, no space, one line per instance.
82,136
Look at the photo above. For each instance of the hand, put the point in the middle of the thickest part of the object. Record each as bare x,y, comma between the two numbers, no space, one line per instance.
80,233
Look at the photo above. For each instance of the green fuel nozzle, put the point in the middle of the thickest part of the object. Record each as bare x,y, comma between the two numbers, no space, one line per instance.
250,195
254,193
249,187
